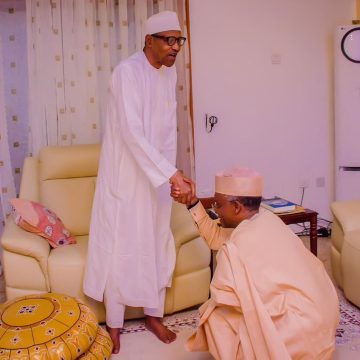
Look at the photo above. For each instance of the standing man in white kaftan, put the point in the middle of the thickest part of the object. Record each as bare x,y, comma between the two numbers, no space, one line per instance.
131,253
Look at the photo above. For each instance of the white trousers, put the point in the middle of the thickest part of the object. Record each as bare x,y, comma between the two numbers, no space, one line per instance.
115,311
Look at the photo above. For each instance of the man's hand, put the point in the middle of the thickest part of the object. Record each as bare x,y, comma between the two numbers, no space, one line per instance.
183,188
176,193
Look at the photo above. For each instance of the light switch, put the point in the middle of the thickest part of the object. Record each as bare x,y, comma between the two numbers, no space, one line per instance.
276,59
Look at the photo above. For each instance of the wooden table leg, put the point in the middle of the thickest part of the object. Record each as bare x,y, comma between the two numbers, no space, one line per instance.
302,217
313,234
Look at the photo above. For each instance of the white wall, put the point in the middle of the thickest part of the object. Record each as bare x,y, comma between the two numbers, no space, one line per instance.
276,118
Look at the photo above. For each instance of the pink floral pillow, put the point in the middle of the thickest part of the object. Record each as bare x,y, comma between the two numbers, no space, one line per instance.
36,218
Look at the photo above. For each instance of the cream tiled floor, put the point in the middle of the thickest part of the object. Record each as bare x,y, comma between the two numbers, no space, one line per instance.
145,346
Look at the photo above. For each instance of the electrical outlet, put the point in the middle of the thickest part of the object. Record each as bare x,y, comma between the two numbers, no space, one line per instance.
304,183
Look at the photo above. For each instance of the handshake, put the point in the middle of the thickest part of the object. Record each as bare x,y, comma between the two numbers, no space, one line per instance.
183,189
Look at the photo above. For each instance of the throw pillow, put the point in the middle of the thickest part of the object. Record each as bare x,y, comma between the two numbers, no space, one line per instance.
36,218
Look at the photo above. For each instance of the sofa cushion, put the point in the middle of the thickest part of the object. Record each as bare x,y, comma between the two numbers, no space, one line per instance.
67,183
36,218
66,266
63,162
72,200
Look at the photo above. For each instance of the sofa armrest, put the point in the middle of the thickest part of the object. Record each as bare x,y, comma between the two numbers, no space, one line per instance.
353,239
184,234
182,225
19,241
347,214
350,266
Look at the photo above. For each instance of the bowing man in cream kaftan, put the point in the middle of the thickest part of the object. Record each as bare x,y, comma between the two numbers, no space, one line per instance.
131,253
271,299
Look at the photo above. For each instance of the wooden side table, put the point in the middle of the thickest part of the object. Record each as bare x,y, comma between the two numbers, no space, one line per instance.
289,218
300,217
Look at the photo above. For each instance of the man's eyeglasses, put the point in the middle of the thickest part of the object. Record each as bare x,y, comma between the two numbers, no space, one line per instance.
215,205
171,40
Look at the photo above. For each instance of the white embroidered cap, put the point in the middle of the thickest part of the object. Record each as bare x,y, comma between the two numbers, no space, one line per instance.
163,21
239,181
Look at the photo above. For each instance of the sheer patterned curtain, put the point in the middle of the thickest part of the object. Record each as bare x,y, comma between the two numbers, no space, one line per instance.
13,105
73,46
7,184
185,153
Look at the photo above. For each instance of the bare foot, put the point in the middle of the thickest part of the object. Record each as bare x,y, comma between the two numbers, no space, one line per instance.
161,331
115,337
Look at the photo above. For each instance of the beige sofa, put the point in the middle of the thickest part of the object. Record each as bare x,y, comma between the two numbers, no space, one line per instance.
345,248
63,179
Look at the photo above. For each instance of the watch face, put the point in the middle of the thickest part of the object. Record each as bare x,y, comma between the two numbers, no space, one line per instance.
350,45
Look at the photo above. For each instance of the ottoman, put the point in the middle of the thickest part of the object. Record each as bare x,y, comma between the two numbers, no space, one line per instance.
51,326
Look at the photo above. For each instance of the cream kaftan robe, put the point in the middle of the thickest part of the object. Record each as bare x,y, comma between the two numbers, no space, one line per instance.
270,297
131,248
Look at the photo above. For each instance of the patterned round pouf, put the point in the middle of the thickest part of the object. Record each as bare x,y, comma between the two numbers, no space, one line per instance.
51,326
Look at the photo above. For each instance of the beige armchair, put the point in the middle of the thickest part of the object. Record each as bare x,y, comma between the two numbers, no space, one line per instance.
63,179
345,248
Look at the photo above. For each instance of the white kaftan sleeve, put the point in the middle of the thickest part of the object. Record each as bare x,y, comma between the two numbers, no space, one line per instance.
126,105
